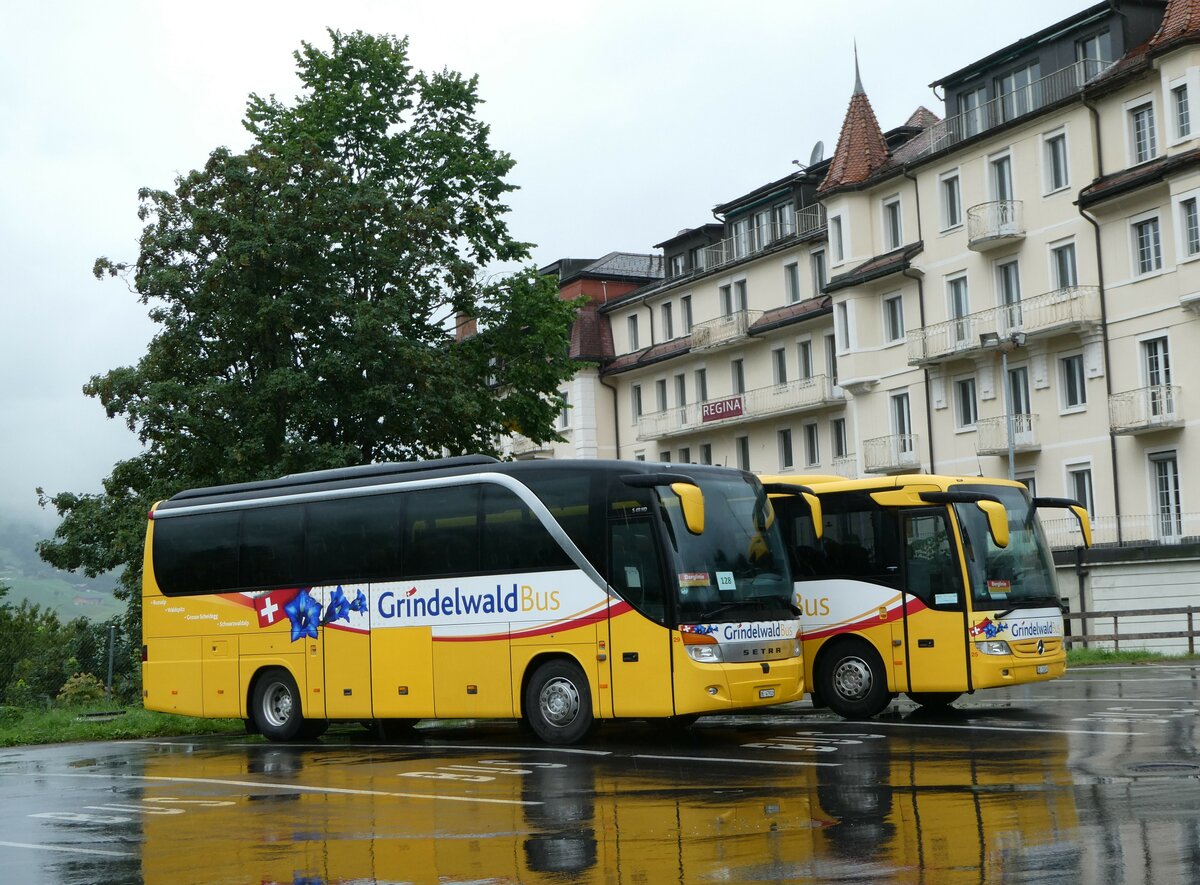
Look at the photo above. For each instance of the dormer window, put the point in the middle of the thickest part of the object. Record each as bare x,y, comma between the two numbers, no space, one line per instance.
676,264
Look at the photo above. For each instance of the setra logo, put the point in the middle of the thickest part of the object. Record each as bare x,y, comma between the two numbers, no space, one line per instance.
1041,647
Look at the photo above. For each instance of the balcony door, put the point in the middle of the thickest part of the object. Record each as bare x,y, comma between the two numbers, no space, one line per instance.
1008,285
1168,507
902,425
1156,360
1018,390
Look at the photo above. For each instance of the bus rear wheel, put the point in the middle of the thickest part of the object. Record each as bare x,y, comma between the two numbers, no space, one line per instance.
852,681
935,699
558,703
275,706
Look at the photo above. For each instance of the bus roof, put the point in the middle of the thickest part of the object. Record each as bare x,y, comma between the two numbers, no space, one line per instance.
824,483
404,471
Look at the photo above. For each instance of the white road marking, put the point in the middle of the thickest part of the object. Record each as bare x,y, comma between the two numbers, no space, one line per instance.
997,728
741,761
69,849
497,749
301,788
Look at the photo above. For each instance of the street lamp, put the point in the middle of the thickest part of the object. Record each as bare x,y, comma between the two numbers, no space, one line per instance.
1006,345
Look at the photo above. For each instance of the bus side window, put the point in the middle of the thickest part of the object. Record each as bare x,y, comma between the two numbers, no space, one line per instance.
441,536
635,567
272,549
513,538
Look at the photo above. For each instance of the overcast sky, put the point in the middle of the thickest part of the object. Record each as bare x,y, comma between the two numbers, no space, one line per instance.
628,121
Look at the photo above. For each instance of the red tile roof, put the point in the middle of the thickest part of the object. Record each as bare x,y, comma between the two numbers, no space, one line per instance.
649,355
922,118
861,148
591,336
1180,21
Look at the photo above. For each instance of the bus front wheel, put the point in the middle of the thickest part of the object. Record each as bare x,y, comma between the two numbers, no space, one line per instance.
852,681
558,703
275,706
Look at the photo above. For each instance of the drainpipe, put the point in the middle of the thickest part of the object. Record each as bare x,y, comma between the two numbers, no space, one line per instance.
616,412
1090,219
921,310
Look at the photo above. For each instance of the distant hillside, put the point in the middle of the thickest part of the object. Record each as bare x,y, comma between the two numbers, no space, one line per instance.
28,577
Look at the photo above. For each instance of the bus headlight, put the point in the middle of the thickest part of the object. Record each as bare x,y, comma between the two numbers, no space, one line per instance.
705,654
993,647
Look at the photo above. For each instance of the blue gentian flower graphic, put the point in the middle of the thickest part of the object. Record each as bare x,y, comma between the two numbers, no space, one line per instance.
305,614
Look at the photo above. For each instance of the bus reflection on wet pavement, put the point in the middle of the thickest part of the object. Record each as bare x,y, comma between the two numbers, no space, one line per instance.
1095,780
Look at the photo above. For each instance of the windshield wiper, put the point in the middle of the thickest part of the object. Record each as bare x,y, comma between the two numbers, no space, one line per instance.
1031,602
751,602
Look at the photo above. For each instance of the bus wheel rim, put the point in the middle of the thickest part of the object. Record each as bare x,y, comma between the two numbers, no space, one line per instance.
277,705
852,678
559,702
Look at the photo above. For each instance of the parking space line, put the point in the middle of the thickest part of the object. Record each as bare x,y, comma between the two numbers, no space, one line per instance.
738,761
68,849
301,788
991,728
499,749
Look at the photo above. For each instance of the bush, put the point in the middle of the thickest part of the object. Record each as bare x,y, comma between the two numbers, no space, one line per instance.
80,689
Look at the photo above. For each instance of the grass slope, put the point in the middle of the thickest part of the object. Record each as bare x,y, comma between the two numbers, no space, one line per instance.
59,596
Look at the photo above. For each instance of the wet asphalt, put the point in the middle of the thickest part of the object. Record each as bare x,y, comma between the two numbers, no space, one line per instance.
1092,778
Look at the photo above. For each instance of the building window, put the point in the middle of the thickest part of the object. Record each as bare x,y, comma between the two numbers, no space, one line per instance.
681,394
677,266
1074,389
706,453
665,457
785,219
785,449
902,422
685,455
1019,91
831,359
685,313
1190,227
951,202
967,406
836,246
1145,142
741,238
805,359
960,309
1030,482
1156,369
1183,117
1062,262
1079,485
893,236
970,109
1057,176
739,295
633,333
668,322
660,394
1008,288
779,365
1167,503
1147,246
791,281
738,375
819,274
639,456
726,300
564,416
1096,49
837,430
699,258
812,448
1002,184
893,318
635,401
842,326
701,377
742,445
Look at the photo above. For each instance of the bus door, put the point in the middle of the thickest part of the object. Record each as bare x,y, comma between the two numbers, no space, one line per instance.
639,642
935,636
346,642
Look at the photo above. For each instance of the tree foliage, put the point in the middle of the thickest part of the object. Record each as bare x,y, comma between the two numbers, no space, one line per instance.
302,288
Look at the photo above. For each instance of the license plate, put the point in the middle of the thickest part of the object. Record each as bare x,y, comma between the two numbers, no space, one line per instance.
1043,669
764,693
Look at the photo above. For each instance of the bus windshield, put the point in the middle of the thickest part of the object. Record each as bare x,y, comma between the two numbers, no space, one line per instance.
1020,575
737,569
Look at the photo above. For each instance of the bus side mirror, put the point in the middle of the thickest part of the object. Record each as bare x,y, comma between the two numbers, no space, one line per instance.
810,498
997,518
1077,510
691,499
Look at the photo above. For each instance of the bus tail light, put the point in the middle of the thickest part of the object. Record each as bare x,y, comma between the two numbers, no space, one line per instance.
145,653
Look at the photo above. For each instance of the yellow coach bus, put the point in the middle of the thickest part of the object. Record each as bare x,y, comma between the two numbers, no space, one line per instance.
466,588
928,585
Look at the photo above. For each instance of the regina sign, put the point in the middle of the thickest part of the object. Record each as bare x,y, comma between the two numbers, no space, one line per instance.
730,407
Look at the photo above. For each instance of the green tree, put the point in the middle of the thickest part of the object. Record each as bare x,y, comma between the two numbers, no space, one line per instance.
302,291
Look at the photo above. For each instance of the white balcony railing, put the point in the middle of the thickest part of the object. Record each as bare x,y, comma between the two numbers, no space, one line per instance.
523,445
995,223
1146,409
794,396
728,329
1055,87
891,454
1168,527
846,465
991,436
756,239
1074,307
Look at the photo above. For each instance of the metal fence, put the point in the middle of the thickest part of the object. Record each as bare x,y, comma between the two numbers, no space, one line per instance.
1184,616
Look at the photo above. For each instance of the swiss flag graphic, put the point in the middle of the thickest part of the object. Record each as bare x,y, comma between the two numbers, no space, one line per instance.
270,607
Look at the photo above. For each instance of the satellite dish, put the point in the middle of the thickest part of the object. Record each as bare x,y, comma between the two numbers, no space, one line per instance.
818,153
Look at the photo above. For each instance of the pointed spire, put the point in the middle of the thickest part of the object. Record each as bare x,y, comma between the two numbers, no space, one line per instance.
861,147
1181,20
